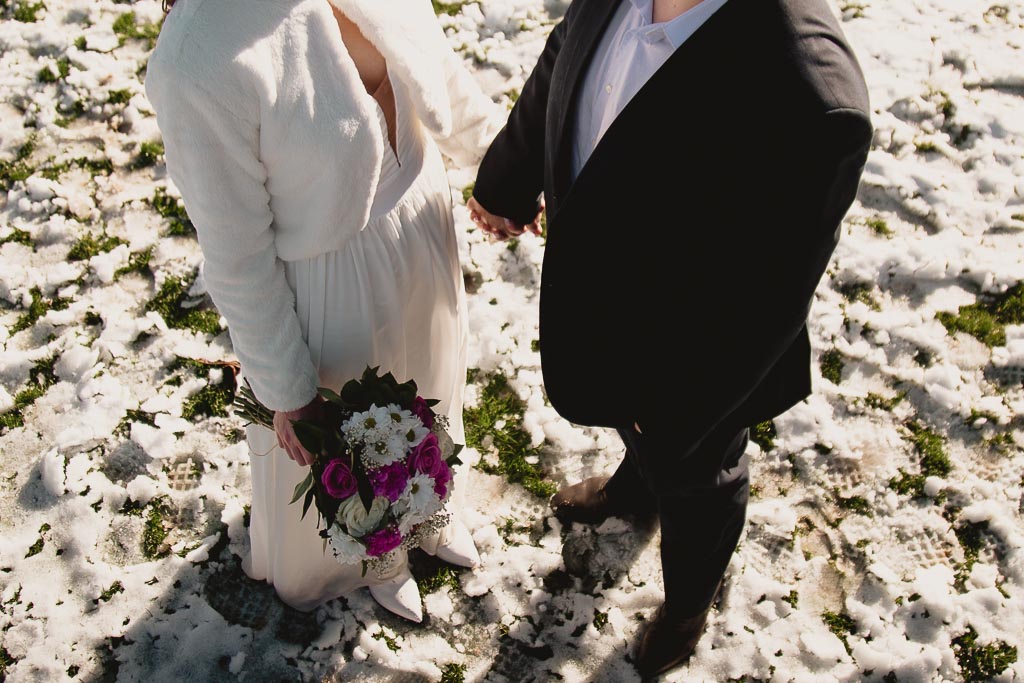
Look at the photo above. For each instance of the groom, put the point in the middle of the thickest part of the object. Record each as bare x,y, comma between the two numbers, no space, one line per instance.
696,159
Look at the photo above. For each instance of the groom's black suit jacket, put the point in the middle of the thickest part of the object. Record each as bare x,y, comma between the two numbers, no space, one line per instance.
681,264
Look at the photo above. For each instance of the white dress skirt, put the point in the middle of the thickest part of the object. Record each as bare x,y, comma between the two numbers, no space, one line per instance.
392,297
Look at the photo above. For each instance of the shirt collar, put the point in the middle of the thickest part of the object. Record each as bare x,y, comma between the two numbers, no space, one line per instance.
677,30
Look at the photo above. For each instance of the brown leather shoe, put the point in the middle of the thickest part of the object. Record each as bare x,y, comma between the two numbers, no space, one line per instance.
586,502
667,642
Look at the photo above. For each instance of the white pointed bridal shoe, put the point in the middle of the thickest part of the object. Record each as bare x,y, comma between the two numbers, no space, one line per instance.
398,593
455,545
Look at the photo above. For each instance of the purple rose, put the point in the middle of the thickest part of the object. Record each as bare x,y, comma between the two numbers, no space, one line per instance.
442,479
383,540
389,481
421,410
338,479
426,457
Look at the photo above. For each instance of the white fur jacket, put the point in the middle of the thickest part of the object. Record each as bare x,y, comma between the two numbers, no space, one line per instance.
276,148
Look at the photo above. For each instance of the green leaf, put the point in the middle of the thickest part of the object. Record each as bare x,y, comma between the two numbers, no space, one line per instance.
362,482
302,487
310,435
332,396
454,459
306,503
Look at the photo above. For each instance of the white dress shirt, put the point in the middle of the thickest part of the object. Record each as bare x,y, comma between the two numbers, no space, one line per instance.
631,50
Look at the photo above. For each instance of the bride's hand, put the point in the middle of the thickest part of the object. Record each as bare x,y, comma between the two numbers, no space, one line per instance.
286,438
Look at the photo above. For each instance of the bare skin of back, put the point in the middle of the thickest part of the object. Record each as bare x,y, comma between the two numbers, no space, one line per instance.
373,70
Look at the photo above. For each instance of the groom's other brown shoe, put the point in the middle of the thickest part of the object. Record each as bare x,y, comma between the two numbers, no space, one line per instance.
587,502
668,641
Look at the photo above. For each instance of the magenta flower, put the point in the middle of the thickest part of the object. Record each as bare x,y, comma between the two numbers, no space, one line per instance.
383,540
426,457
442,479
390,481
338,480
421,410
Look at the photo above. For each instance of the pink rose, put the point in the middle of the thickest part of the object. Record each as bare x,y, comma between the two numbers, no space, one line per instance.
442,479
338,479
421,410
426,457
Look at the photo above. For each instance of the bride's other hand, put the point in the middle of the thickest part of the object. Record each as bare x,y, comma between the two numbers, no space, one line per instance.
286,437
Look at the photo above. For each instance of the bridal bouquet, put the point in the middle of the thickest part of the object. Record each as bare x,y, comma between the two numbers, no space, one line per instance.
382,469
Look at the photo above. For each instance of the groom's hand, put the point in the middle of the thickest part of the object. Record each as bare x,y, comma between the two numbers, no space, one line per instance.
499,227
286,437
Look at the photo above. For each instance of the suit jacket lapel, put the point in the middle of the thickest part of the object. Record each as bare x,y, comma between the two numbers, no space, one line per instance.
569,71
706,61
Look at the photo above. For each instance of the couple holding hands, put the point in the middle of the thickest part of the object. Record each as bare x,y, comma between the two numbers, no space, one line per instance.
695,159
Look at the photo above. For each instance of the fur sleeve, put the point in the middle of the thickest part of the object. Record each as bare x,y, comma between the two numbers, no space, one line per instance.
213,158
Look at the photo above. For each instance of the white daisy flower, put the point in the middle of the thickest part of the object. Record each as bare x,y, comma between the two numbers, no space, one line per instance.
423,502
384,452
346,549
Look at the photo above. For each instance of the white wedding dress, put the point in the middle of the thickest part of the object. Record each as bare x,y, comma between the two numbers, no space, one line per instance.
392,297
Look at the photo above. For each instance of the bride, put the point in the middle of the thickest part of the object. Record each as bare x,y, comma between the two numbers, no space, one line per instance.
306,139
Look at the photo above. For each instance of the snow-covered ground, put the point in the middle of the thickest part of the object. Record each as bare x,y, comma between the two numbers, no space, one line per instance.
885,539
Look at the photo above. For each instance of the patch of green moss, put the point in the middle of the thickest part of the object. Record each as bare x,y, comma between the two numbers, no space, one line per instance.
154,533
831,363
453,673
27,12
47,75
37,309
149,154
763,434
971,536
981,662
80,43
40,378
925,146
18,168
18,237
37,547
93,318
115,588
987,319
390,641
444,576
449,8
467,192
859,291
509,529
210,401
879,226
124,427
6,660
171,209
138,262
1002,443
792,599
934,461
127,27
89,245
931,447
600,619
857,504
879,402
119,96
840,624
498,403
168,303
